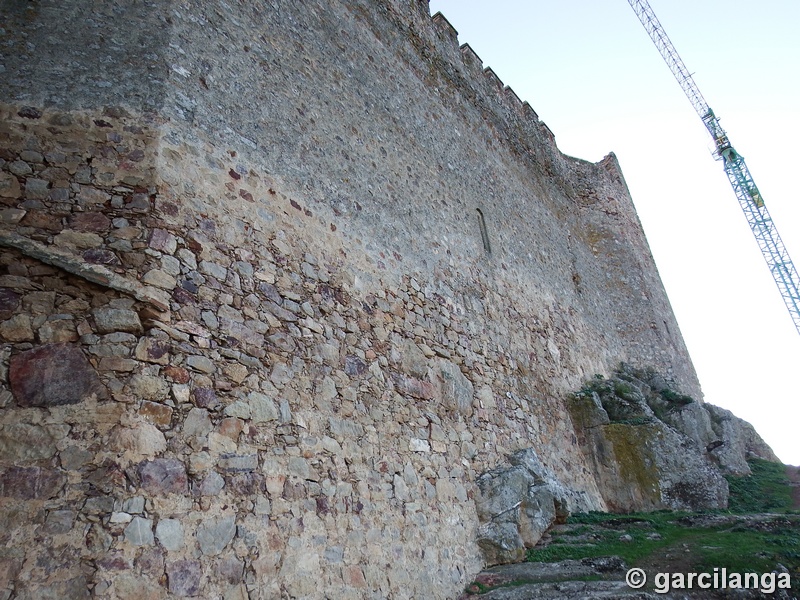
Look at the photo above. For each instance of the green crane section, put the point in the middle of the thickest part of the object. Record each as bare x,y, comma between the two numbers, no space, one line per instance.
761,224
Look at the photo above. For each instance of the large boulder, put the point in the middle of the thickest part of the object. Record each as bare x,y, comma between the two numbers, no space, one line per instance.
517,503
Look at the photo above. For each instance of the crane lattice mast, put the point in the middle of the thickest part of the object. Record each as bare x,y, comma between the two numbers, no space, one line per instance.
761,224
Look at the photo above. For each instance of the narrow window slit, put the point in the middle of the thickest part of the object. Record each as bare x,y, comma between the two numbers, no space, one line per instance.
484,232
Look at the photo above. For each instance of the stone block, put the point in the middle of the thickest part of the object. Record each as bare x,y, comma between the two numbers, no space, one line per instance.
418,445
158,414
11,216
231,427
53,375
153,350
62,330
9,302
216,271
176,374
243,485
77,239
184,577
413,360
238,462
457,391
212,485
205,398
160,279
115,363
39,303
20,168
163,241
59,522
139,532
110,320
74,458
170,534
230,569
92,196
262,408
118,518
25,443
163,476
95,222
31,483
197,423
353,577
36,189
354,366
200,363
239,409
148,387
134,505
344,428
9,186
216,533
140,439
17,329
99,256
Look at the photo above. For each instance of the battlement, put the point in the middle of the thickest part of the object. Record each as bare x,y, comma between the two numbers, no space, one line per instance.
521,116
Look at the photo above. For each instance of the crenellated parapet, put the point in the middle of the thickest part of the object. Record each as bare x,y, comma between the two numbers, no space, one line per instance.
506,98
437,45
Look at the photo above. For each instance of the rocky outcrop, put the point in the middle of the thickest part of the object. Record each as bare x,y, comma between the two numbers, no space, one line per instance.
736,441
652,447
649,447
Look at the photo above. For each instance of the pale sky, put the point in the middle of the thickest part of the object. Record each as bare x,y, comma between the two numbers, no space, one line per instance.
589,70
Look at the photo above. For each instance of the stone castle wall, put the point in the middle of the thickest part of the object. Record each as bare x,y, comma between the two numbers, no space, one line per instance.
279,281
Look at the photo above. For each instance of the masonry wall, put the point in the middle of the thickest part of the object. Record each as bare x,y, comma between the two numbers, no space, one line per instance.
255,341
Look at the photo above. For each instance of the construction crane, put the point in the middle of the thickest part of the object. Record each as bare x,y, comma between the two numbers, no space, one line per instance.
750,199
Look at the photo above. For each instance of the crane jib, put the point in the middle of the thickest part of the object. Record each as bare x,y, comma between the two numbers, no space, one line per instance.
750,200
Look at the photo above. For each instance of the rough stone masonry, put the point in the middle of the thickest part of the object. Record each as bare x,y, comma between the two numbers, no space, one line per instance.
279,281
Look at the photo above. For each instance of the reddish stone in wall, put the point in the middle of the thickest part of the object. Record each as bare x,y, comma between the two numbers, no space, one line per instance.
163,476
90,221
53,375
183,577
162,241
176,374
29,483
205,398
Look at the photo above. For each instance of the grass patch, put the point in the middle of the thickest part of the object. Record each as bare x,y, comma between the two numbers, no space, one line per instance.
741,550
696,541
766,490
681,542
649,532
